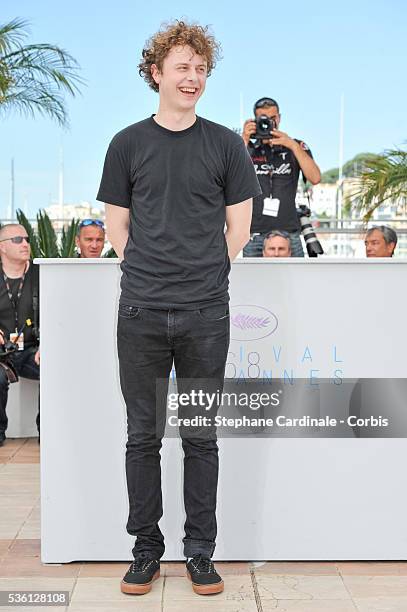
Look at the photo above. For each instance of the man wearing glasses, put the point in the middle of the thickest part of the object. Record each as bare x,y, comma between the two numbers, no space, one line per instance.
90,238
18,302
278,162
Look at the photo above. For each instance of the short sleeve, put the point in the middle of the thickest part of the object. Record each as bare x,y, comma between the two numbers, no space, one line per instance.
241,181
115,186
304,147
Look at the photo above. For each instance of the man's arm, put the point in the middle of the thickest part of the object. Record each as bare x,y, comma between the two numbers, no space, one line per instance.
117,227
309,168
238,220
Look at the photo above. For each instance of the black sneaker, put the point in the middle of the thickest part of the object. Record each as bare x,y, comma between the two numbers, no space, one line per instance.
140,576
205,579
2,438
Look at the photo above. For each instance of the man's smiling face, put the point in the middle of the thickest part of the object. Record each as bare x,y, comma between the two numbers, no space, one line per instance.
182,79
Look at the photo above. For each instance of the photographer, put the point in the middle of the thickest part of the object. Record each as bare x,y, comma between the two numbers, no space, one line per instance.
277,244
90,238
278,160
18,303
380,241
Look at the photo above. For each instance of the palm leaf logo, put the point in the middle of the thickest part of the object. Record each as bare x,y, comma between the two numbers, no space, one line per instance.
251,322
243,321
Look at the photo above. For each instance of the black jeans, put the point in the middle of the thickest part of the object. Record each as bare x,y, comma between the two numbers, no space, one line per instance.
149,341
26,367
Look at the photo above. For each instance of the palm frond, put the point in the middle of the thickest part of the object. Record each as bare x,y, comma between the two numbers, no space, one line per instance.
383,179
22,219
68,239
35,77
44,63
12,33
47,236
29,101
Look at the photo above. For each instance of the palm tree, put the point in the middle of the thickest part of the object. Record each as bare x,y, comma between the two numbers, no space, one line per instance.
34,77
384,178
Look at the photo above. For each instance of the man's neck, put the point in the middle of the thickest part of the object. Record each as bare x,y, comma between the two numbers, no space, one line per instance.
175,120
14,269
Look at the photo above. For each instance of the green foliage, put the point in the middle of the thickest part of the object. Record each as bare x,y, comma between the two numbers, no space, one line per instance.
347,207
110,253
44,242
330,176
68,239
34,78
384,179
351,169
35,247
47,236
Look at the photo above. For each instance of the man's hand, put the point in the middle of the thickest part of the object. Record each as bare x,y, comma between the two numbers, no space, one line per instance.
37,357
283,139
309,168
2,341
249,129
238,220
117,227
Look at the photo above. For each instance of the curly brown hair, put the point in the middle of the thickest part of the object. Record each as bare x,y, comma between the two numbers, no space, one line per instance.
178,33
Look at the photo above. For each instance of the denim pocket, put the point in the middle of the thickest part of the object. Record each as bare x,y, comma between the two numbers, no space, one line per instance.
217,312
128,312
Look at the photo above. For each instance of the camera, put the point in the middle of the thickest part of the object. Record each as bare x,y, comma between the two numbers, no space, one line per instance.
264,127
6,349
312,243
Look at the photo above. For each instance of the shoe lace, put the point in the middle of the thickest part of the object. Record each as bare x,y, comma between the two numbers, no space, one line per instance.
139,563
204,564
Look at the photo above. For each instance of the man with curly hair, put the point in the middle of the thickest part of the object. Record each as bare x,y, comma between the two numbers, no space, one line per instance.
170,183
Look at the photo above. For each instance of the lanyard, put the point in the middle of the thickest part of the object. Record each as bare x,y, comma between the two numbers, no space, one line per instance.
269,155
14,302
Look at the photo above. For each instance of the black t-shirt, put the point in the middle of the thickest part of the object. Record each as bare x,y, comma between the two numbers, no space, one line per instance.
176,184
283,185
24,307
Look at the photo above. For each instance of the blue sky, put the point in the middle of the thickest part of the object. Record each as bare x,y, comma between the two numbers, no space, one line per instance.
304,54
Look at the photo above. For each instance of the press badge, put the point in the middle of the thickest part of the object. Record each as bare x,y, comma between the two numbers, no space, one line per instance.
20,343
271,207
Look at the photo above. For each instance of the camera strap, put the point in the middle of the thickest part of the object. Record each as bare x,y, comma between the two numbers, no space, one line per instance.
9,370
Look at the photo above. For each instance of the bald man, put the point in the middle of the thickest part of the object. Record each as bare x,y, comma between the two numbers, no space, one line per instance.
18,292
